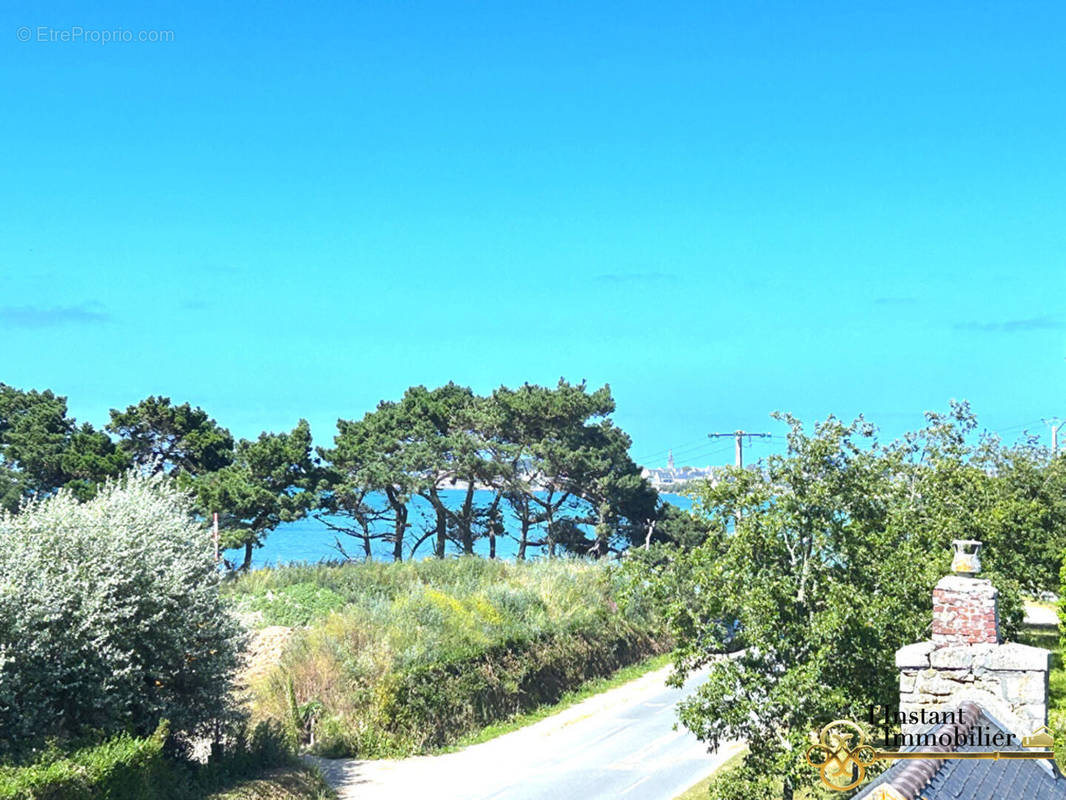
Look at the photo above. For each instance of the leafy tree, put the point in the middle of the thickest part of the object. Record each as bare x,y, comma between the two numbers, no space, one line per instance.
676,527
955,484
110,617
42,449
548,454
549,432
445,446
822,560
624,504
172,438
271,480
799,555
570,468
1027,518
88,459
368,460
425,444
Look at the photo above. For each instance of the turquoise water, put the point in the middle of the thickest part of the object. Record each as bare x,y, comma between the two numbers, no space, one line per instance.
310,541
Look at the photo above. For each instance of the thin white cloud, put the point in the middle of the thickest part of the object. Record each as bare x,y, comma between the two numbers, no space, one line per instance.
1047,322
54,316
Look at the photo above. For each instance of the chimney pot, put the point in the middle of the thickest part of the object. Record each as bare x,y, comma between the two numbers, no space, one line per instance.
965,560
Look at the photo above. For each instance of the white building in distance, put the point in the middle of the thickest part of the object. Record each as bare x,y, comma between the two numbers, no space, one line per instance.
673,477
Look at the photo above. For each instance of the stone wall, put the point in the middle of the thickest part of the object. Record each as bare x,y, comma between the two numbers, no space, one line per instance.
1010,681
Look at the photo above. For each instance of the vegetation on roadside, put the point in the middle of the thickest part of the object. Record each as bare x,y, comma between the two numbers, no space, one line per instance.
126,767
817,562
590,688
422,653
821,562
700,791
111,619
117,654
286,783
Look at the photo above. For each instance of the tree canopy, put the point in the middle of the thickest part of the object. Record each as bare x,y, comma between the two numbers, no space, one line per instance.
43,449
819,563
172,438
550,457
270,480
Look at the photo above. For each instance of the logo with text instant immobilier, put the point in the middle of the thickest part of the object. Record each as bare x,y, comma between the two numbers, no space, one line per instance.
842,755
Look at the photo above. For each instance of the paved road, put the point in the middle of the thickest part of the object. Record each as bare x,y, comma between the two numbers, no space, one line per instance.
1041,614
619,745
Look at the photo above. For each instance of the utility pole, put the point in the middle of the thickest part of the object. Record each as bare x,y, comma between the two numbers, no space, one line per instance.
1054,423
739,435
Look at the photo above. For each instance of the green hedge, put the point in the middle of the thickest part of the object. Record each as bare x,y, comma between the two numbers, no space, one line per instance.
431,706
124,768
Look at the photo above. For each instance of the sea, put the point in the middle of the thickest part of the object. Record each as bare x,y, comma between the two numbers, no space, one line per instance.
311,541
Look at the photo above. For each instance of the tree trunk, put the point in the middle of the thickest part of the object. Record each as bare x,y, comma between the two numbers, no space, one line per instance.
442,528
494,519
549,512
466,527
399,522
524,540
247,565
398,532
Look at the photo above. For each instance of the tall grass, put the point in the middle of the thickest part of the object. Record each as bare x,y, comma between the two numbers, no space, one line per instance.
401,658
125,767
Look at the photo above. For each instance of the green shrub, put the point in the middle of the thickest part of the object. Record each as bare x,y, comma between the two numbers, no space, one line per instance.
110,617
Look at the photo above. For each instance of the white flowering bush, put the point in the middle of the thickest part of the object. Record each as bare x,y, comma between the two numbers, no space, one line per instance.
110,617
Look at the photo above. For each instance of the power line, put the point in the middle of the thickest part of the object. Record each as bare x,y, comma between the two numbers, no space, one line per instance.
685,451
1020,427
691,450
677,449
705,452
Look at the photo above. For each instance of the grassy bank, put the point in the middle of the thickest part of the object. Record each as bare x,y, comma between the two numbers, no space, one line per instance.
395,659
588,689
1048,637
701,790
138,768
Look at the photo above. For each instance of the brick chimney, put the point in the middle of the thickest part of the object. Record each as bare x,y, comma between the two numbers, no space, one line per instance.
965,660
964,611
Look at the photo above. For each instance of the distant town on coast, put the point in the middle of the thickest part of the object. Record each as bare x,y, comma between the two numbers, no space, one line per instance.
674,477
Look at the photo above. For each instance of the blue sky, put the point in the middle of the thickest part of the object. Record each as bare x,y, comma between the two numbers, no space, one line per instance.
720,209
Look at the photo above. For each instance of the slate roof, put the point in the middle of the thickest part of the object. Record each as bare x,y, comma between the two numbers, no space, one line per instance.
964,779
